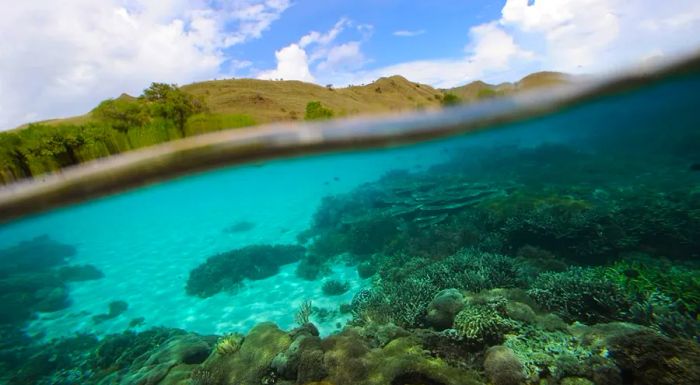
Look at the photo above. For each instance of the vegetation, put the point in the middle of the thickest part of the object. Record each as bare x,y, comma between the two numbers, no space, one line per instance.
163,112
450,100
315,111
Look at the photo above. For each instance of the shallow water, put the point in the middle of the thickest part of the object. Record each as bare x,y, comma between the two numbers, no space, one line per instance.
580,184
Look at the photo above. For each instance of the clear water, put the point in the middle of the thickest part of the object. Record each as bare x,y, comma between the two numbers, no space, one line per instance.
146,241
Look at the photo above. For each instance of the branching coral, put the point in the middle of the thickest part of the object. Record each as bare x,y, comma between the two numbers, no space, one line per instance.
303,314
482,324
581,294
546,352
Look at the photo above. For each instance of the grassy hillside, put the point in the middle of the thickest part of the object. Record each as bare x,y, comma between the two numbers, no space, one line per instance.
165,112
478,90
274,100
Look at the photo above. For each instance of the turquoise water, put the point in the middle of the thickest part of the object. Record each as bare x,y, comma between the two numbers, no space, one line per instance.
581,167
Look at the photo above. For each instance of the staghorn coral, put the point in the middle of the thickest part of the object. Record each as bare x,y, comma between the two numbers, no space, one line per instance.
404,303
581,294
406,286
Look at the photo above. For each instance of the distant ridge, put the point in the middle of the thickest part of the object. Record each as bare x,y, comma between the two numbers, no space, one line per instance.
479,90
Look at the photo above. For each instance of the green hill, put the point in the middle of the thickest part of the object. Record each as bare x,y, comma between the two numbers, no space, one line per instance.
165,112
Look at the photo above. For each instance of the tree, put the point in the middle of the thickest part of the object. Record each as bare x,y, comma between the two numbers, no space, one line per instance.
315,111
450,99
13,163
121,114
170,102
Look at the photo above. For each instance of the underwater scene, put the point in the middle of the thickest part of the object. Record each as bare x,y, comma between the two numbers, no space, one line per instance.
563,249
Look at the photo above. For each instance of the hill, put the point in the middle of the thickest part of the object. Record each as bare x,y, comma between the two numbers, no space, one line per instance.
276,100
166,112
478,90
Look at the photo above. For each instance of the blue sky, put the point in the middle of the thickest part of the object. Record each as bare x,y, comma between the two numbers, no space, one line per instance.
62,58
444,27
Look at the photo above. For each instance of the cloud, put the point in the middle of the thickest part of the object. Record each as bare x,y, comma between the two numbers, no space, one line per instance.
408,33
62,58
319,50
490,51
315,37
292,64
575,36
343,57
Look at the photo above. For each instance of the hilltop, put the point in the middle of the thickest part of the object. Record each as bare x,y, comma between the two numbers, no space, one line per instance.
275,100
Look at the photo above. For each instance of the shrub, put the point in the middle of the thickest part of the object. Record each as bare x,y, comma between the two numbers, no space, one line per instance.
450,100
315,111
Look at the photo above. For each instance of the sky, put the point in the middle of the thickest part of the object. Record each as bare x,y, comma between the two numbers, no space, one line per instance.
61,58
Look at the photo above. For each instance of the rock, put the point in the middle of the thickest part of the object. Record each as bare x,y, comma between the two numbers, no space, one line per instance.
520,312
646,358
252,362
503,367
551,323
185,349
576,381
443,308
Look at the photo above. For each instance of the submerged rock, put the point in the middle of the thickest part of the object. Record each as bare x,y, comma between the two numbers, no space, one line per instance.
647,358
503,367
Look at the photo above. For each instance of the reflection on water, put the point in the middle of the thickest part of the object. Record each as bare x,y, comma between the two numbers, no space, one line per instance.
562,248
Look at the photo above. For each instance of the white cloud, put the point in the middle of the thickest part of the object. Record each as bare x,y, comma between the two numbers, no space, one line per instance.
342,58
292,64
62,58
315,37
575,36
319,51
408,33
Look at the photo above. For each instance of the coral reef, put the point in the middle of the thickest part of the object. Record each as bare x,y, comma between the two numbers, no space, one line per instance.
581,294
226,271
34,278
483,325
334,287
648,358
443,308
116,308
406,286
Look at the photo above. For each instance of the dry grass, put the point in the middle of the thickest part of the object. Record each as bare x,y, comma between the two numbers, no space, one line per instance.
276,100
